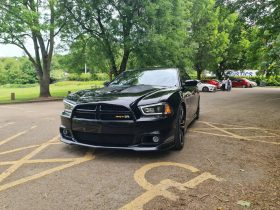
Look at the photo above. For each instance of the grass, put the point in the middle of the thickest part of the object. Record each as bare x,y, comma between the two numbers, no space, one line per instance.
58,90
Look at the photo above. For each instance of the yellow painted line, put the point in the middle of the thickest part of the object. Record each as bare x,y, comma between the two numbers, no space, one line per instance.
201,178
214,134
54,160
7,124
161,189
253,137
227,128
87,157
238,138
139,175
271,133
238,126
11,107
16,135
222,130
20,162
24,148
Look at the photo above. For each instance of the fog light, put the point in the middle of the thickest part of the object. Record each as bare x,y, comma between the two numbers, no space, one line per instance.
155,139
66,132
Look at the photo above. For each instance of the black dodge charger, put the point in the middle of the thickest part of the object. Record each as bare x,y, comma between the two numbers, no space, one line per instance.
142,110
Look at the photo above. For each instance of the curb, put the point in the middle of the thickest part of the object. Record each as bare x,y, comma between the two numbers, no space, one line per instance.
32,101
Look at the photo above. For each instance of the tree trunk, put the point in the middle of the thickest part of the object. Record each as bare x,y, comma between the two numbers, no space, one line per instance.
45,85
124,60
198,74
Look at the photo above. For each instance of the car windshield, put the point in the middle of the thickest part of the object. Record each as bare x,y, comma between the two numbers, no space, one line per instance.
159,77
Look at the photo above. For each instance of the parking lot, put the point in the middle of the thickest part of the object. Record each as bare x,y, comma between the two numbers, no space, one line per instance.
231,154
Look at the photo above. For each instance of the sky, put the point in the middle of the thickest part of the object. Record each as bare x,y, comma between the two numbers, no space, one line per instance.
10,51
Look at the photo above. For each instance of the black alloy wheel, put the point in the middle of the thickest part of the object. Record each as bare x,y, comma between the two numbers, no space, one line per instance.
180,129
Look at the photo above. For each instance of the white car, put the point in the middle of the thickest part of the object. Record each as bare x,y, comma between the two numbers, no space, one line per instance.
252,83
205,87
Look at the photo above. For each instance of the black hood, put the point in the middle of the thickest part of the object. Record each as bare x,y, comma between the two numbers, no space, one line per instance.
123,95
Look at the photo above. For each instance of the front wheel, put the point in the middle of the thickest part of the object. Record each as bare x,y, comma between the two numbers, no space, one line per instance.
180,128
205,89
197,112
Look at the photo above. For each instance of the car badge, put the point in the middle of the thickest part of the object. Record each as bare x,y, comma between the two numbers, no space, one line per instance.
122,116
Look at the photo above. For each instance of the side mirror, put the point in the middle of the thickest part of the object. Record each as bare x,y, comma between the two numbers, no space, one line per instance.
188,83
106,84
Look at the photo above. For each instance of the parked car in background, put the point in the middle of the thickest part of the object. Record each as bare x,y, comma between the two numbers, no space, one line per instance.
241,82
205,87
215,82
252,83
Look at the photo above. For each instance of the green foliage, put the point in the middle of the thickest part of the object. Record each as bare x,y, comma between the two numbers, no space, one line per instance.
88,77
85,76
16,71
135,33
100,77
107,37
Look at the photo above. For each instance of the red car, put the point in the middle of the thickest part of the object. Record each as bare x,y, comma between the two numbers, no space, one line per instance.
212,82
241,82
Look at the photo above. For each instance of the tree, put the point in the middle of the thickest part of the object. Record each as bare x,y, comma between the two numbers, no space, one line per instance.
264,17
204,29
225,41
37,21
167,39
129,28
85,51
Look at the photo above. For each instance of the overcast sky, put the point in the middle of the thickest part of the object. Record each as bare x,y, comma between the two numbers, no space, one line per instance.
10,51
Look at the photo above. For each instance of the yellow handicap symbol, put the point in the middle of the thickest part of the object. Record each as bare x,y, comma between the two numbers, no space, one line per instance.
161,189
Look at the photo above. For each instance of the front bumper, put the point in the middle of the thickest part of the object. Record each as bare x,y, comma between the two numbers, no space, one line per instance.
213,89
134,135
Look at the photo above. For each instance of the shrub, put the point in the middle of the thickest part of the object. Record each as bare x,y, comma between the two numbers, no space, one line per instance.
101,76
73,77
85,77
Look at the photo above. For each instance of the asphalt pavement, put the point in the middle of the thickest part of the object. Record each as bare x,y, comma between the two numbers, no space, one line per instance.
230,161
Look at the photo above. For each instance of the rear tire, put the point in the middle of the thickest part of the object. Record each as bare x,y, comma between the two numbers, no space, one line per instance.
180,128
205,89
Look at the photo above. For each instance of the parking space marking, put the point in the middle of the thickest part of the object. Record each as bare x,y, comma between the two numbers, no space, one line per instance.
15,165
12,107
87,157
24,148
233,135
16,135
161,189
19,108
7,124
235,126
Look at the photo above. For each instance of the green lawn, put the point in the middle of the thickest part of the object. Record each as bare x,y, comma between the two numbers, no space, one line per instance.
58,90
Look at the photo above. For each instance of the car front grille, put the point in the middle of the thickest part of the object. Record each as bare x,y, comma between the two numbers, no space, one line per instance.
113,140
102,112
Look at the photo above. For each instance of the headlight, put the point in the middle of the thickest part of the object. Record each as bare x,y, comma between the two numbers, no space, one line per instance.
156,109
68,107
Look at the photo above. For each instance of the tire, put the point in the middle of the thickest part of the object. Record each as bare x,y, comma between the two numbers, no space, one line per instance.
205,89
197,111
180,127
